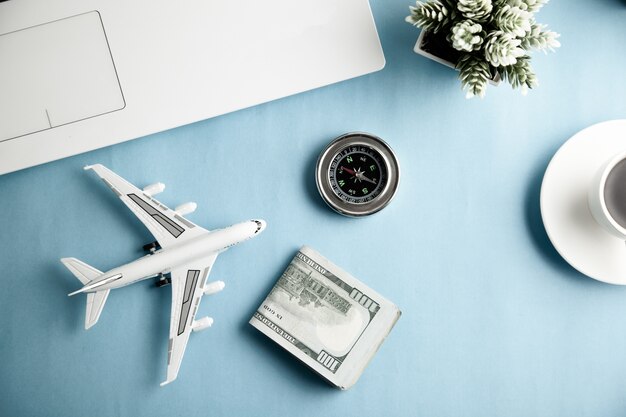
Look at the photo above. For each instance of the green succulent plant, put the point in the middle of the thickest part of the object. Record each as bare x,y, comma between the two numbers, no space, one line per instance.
492,37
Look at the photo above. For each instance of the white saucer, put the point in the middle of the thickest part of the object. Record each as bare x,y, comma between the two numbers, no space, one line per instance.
566,216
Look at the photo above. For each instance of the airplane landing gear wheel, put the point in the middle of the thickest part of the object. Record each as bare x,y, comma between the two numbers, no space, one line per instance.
151,247
163,280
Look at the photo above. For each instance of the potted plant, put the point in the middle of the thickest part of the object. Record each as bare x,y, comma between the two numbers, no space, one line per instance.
485,40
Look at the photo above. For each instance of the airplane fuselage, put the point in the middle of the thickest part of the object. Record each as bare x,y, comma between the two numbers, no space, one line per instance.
167,259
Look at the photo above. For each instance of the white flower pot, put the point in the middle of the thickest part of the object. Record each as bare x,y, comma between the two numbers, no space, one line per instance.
419,49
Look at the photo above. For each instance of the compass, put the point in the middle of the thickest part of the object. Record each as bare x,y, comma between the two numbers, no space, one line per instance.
357,174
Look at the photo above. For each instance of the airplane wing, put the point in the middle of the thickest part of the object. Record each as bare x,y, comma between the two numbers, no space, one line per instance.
187,289
165,224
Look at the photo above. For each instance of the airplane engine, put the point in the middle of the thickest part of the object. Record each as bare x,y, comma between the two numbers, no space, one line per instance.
154,189
202,324
213,287
186,208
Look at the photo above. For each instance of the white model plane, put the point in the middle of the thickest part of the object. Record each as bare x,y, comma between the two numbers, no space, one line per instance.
183,250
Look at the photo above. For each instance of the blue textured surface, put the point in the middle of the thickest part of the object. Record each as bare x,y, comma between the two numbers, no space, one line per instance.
494,322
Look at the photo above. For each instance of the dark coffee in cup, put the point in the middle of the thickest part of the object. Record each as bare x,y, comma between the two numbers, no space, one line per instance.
615,193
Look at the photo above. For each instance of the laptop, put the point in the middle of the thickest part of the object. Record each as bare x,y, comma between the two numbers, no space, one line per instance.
77,75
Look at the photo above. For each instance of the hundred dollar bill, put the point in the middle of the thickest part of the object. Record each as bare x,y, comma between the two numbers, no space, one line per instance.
326,318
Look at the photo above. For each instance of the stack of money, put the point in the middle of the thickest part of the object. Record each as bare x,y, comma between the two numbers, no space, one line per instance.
326,318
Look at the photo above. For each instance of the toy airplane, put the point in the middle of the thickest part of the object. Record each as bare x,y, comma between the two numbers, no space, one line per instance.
183,251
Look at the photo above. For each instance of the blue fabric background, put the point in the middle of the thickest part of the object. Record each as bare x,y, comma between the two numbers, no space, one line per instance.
494,322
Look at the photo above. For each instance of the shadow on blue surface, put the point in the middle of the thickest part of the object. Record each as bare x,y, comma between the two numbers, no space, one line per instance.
160,324
58,284
277,272
536,229
286,365
309,183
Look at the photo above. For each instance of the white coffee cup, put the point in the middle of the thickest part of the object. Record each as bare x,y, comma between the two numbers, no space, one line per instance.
597,198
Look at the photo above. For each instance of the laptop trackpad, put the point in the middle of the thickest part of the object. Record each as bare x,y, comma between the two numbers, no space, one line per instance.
54,74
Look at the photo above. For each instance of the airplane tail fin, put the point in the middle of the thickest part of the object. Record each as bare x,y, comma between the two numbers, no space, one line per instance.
95,300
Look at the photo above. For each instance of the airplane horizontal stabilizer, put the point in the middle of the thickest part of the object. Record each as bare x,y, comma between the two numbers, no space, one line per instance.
95,303
95,300
81,270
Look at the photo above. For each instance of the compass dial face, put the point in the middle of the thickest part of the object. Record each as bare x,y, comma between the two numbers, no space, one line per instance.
357,174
